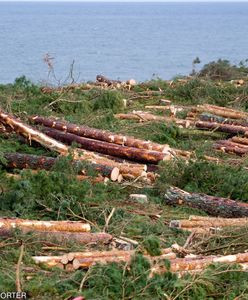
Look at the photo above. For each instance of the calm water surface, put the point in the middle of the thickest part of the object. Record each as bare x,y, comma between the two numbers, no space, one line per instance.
124,40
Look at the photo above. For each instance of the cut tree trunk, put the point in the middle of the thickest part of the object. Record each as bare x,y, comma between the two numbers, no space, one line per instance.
215,206
135,154
7,224
145,117
32,134
67,237
204,222
231,147
233,129
200,263
240,140
34,162
221,111
206,117
101,135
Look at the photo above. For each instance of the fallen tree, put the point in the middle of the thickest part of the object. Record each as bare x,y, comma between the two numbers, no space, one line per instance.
98,134
135,154
215,206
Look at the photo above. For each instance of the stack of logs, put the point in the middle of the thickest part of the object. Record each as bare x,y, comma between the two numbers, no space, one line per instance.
189,264
112,155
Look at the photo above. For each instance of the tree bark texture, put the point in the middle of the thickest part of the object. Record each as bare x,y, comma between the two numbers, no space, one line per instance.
140,155
215,206
35,162
98,134
233,129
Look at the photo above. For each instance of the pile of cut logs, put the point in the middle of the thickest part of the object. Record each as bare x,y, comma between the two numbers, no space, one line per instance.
223,119
112,155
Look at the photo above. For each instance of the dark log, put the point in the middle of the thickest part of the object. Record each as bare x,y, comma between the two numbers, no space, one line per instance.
98,134
233,129
103,79
215,206
135,154
35,162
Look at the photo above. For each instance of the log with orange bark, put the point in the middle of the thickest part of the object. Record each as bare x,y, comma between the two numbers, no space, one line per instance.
140,155
215,206
98,134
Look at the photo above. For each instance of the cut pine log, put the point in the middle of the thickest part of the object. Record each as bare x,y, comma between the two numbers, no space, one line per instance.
231,147
85,238
7,224
207,222
200,263
135,154
32,134
206,117
240,140
145,117
98,134
34,162
233,129
215,206
221,111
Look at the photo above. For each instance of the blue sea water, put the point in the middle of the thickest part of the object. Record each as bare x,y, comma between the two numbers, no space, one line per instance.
120,40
